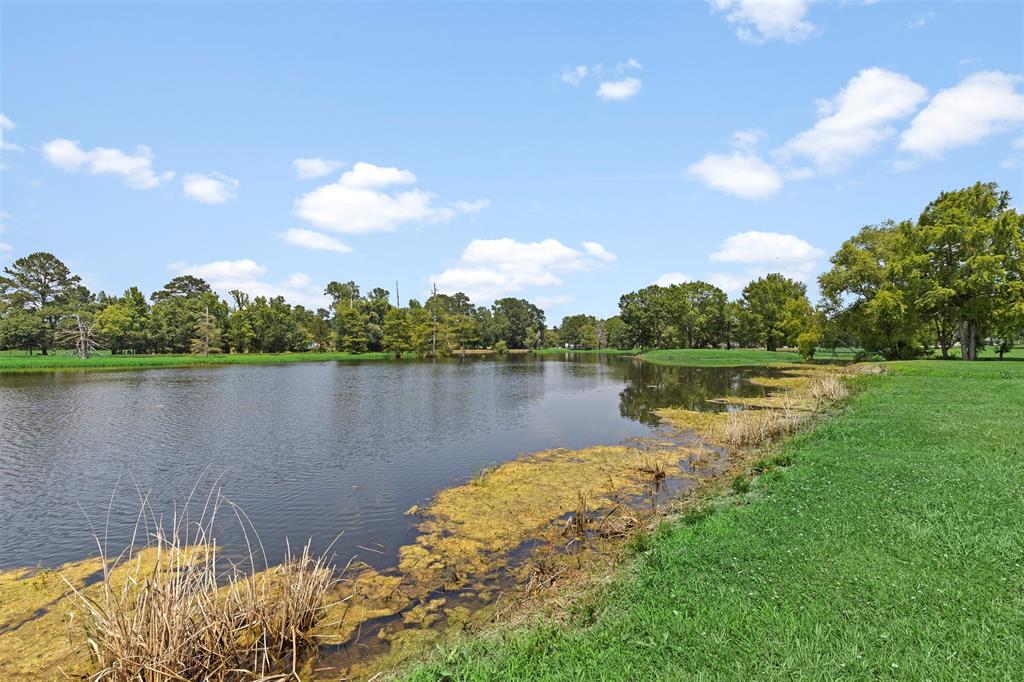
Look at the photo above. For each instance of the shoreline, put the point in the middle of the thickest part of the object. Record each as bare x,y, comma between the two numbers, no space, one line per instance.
416,605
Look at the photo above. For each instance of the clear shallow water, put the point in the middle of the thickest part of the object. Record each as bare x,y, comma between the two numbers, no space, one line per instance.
307,450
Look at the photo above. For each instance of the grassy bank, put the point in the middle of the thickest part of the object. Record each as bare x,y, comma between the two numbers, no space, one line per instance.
592,351
890,549
704,357
10,362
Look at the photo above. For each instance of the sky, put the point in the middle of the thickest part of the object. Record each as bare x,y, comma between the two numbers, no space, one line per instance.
566,153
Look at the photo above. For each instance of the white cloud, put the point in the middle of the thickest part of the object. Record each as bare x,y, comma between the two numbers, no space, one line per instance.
765,247
136,169
857,118
575,75
6,125
368,176
5,247
209,188
982,104
762,253
741,173
315,168
599,252
619,90
492,268
553,300
670,278
247,275
758,21
629,64
471,206
364,200
730,284
1018,143
317,241
921,20
746,140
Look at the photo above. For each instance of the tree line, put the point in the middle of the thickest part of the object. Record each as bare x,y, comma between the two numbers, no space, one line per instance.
43,306
896,289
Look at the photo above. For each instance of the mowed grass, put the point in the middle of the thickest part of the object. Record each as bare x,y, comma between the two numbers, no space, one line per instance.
892,548
11,362
708,357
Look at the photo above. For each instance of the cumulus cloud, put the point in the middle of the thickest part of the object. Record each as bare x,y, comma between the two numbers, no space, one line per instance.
670,278
136,170
553,300
599,252
854,121
209,188
765,247
730,284
574,75
742,173
620,90
7,125
247,275
369,198
317,241
764,252
315,168
981,105
492,268
758,21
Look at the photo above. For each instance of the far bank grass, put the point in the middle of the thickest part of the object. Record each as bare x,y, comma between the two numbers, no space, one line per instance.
64,361
706,357
891,549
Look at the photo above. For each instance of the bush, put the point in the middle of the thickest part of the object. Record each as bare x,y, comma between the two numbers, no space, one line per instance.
501,348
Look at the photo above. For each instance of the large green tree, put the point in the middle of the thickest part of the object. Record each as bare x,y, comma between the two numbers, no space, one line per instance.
770,302
43,285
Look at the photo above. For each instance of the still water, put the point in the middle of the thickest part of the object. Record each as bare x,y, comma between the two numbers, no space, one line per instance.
307,450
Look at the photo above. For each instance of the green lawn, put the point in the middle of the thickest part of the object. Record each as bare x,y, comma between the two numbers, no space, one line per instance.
592,351
10,361
893,548
704,357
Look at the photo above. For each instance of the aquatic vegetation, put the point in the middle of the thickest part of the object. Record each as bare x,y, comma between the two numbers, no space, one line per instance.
522,529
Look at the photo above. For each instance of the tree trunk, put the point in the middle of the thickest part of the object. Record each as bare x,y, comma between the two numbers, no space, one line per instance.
968,340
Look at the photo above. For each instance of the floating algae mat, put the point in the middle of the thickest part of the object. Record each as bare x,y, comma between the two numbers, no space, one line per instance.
472,546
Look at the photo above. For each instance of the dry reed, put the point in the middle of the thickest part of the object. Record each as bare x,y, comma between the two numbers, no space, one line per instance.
180,610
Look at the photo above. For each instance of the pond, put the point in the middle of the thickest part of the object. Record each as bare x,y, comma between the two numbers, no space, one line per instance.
308,450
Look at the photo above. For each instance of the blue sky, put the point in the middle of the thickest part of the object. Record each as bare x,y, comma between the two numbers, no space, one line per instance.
566,153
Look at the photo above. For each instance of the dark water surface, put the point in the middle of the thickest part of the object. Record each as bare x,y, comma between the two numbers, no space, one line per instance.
307,450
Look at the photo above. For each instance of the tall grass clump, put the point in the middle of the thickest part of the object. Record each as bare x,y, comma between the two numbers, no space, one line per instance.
827,389
177,609
753,428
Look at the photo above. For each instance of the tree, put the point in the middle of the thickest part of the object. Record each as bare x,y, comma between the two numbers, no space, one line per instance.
519,323
616,333
966,248
207,338
396,337
579,331
765,300
183,286
867,297
42,284
124,324
22,330
350,330
644,313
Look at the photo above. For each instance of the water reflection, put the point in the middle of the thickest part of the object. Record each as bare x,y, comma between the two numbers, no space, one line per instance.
307,450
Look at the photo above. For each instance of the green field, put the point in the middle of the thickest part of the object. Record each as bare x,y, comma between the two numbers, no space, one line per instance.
592,351
891,549
19,361
702,357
